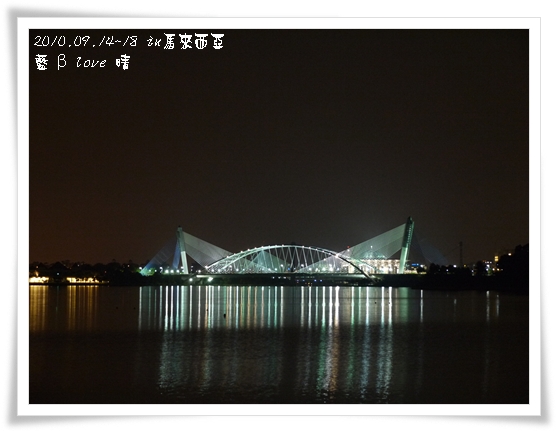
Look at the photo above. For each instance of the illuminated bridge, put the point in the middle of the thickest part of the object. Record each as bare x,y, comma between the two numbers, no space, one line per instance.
274,259
385,253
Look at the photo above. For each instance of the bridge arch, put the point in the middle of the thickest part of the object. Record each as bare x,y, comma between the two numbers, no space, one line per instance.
275,259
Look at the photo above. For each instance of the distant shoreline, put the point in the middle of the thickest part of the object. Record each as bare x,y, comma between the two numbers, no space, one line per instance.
450,282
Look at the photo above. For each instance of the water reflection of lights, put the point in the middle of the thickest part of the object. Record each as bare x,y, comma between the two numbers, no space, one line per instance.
38,296
385,351
421,308
488,306
74,307
310,309
281,303
82,302
390,305
330,339
172,308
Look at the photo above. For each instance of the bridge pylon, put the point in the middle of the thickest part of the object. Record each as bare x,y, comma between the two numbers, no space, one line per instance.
406,243
183,252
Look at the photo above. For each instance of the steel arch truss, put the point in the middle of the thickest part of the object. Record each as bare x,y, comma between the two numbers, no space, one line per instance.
288,259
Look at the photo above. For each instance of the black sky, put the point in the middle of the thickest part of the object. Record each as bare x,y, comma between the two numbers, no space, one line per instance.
319,137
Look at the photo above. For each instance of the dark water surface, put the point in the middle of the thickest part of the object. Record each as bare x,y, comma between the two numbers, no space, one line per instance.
242,344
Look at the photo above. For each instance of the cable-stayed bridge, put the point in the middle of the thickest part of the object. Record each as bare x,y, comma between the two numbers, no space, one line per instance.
387,252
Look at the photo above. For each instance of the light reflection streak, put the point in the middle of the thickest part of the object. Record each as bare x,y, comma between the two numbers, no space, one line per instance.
37,307
210,307
384,360
367,306
323,320
140,308
316,306
337,307
302,319
255,306
160,313
190,304
166,308
247,308
199,310
268,324
488,306
275,306
262,307
229,306
352,305
310,309
172,307
421,315
268,312
219,310
366,357
330,306
335,346
281,303
390,309
308,348
382,311
181,307
351,346
72,307
82,303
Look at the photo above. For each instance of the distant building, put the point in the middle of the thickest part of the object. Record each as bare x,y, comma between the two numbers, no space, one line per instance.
383,266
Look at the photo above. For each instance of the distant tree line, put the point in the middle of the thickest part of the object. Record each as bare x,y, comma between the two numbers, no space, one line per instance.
511,264
511,273
448,269
515,264
113,272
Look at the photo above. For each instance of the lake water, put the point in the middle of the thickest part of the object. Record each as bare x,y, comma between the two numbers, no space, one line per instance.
254,344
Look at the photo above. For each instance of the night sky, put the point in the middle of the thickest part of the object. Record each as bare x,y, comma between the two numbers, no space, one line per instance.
318,137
